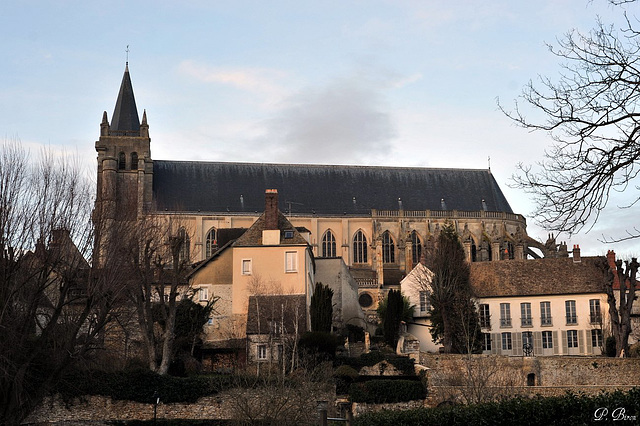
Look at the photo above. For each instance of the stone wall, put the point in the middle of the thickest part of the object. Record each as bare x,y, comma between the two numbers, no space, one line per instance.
459,377
91,409
446,374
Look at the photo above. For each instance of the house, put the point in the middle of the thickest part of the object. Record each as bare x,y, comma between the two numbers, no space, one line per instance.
271,257
275,323
528,307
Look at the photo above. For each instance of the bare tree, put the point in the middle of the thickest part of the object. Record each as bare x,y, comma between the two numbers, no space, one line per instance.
620,315
590,111
157,251
53,305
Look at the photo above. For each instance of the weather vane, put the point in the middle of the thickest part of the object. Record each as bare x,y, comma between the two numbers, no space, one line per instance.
127,50
488,159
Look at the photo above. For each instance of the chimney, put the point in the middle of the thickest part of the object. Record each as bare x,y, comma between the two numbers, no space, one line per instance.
271,209
576,253
611,260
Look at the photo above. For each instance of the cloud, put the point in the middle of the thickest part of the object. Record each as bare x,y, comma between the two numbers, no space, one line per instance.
256,80
346,121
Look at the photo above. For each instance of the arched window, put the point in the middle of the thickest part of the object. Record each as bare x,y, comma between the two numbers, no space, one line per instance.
388,248
359,247
416,247
122,161
328,244
211,242
134,161
184,241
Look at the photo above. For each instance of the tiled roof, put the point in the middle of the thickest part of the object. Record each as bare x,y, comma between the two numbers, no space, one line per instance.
321,189
288,310
253,235
538,277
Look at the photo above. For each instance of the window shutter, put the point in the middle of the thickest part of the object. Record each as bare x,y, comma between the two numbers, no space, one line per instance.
537,343
517,343
496,344
556,343
589,343
565,343
581,341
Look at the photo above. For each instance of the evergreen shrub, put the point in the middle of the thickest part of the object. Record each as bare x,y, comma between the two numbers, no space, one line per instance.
386,391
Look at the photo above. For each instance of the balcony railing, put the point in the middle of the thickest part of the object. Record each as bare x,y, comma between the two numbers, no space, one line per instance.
367,282
505,322
595,319
572,319
526,322
485,323
545,321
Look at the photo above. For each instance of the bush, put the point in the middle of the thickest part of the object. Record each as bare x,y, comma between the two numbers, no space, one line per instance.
345,376
402,363
141,386
570,409
355,333
385,391
322,345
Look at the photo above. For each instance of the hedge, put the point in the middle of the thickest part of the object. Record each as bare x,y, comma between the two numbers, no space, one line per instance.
385,391
571,409
142,386
402,363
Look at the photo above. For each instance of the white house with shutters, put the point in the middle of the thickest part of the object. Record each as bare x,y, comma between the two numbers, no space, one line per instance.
528,307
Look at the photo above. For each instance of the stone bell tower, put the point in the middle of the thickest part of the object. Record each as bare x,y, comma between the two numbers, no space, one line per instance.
125,168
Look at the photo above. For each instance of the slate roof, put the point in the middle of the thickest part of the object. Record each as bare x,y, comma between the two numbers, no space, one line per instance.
538,277
125,114
286,309
321,189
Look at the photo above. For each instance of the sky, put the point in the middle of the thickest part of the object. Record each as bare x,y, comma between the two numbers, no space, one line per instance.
393,83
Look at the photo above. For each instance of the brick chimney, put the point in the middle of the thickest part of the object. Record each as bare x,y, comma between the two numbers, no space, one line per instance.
271,209
576,253
611,260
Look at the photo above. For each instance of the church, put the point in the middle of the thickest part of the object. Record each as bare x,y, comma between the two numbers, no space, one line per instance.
378,220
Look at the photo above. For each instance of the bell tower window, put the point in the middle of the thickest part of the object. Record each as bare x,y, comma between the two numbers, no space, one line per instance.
122,161
134,161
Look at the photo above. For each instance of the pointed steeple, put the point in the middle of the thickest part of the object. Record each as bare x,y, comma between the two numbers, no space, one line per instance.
125,115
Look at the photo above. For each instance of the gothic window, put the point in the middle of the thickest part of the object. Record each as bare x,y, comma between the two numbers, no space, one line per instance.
508,252
122,161
416,247
388,248
211,242
134,161
184,241
359,247
328,244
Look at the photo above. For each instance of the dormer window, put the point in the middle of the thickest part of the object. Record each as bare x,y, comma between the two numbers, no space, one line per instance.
288,234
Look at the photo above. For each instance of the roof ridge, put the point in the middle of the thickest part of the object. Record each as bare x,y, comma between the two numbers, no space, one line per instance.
333,166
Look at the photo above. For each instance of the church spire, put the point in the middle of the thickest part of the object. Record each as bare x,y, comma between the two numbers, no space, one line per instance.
125,115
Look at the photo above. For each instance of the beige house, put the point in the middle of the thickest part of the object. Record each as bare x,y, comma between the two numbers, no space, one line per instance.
271,257
528,307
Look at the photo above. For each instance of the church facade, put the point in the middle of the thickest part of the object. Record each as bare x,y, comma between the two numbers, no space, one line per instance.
379,220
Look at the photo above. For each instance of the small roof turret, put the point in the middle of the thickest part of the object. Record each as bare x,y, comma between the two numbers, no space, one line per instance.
125,115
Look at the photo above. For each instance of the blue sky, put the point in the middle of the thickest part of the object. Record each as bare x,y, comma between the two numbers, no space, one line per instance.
400,83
